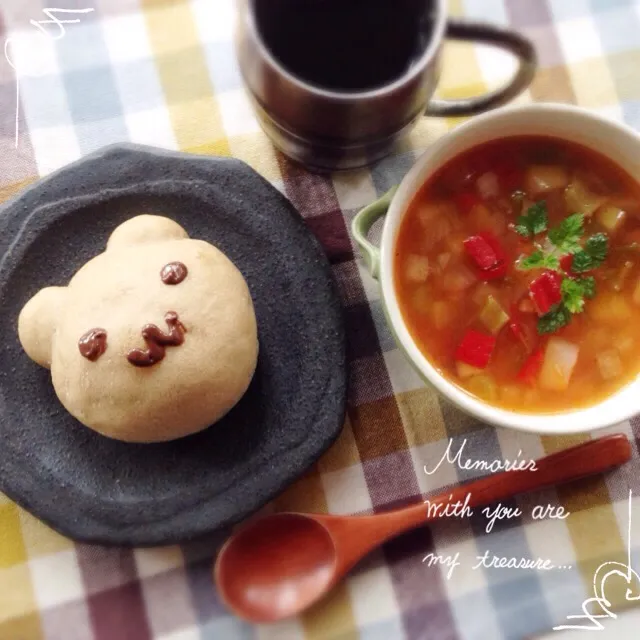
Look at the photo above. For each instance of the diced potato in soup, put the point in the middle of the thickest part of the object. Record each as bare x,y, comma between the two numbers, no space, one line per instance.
610,364
611,217
580,199
417,268
542,178
483,386
560,358
441,313
457,278
466,370
522,284
636,293
488,186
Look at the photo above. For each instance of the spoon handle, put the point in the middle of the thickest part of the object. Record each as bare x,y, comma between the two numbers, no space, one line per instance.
587,459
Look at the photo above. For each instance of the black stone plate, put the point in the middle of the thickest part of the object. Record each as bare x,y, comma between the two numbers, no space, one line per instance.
91,488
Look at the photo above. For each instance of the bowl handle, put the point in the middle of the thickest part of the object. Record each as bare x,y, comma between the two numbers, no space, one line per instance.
361,226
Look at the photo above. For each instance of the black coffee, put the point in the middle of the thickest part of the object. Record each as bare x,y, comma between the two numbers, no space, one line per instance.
348,45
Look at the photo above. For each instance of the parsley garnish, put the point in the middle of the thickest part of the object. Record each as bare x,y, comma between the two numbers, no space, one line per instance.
539,260
534,221
563,240
554,320
588,286
592,255
575,291
566,236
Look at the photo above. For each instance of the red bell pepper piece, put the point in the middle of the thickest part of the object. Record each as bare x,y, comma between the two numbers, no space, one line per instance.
466,200
517,327
545,291
494,243
523,327
531,368
487,253
497,271
475,349
566,262
517,330
481,252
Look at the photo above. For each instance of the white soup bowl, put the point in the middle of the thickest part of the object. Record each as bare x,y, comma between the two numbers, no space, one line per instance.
618,142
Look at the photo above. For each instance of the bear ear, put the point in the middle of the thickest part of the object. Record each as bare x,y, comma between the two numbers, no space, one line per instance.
145,229
37,323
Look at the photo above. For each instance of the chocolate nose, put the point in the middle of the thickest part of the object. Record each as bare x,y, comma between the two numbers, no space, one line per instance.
174,273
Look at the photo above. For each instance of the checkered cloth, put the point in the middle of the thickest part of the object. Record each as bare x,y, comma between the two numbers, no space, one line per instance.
163,72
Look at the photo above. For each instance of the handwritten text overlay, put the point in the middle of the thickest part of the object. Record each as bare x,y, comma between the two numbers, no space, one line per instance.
53,19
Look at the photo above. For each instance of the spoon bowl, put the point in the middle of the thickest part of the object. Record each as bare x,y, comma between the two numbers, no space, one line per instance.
295,546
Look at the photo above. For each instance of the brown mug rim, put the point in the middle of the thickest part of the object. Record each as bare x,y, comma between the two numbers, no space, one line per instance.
437,36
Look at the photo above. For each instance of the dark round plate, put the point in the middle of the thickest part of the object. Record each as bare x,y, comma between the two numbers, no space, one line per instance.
92,488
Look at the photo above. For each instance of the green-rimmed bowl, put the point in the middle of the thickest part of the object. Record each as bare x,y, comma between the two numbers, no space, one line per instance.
620,143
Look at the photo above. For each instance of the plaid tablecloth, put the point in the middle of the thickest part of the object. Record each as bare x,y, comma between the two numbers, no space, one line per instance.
163,72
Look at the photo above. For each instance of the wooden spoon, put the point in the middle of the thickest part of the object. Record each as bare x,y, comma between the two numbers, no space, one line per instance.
278,565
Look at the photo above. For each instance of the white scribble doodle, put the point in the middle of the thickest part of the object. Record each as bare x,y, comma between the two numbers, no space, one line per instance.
52,15
10,61
601,605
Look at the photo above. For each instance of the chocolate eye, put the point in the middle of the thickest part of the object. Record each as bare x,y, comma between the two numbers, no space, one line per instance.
173,273
93,344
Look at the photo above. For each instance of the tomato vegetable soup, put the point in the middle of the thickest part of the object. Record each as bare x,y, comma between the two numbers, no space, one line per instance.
517,272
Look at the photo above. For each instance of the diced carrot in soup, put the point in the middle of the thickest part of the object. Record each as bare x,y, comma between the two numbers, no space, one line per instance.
525,292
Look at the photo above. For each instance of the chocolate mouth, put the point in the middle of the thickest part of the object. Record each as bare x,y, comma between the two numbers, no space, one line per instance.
94,343
157,341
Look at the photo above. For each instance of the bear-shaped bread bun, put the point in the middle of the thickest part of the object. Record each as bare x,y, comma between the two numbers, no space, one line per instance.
152,340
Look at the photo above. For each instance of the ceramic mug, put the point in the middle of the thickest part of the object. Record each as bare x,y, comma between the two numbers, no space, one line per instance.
620,143
330,129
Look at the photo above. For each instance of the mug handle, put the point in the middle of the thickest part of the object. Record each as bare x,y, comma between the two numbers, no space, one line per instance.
519,46
361,226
